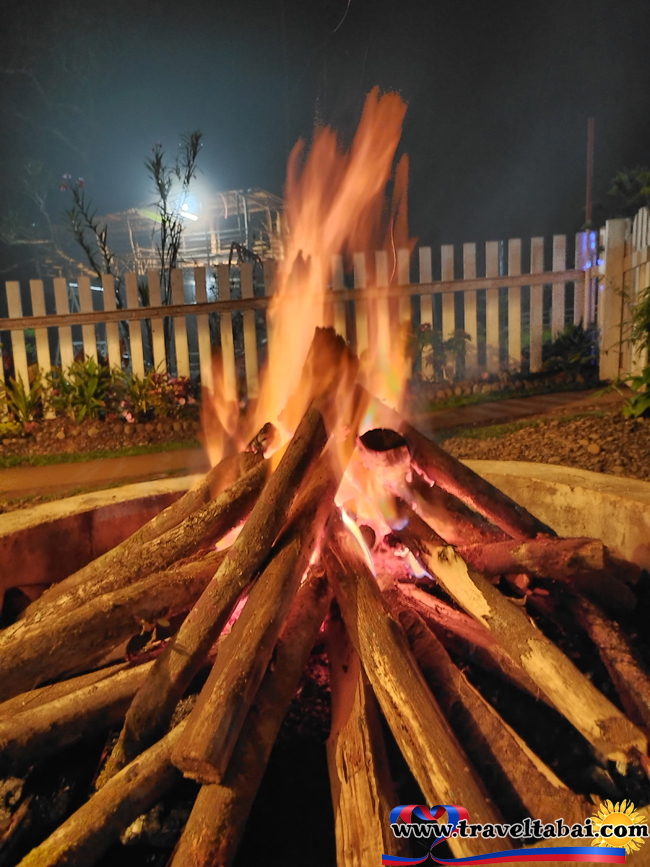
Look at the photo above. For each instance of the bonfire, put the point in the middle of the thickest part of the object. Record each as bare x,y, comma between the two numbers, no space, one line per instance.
325,510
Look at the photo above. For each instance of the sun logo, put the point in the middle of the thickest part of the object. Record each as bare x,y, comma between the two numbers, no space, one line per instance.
618,825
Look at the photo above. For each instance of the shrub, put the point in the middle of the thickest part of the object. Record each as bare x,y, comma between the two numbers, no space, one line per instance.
156,394
574,350
88,390
639,403
23,402
441,355
81,390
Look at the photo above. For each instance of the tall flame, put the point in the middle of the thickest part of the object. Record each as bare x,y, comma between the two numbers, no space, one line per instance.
335,203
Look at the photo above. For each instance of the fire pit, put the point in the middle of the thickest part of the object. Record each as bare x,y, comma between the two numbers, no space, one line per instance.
430,567
476,657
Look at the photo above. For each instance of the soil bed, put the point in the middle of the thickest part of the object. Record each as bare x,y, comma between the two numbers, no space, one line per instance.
603,442
66,438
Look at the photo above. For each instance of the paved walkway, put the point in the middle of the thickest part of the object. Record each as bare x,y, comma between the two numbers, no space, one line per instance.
504,411
63,478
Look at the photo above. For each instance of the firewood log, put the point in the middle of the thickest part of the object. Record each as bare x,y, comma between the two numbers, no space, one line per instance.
214,483
363,793
625,669
571,693
29,737
217,822
440,467
443,619
499,754
33,699
580,563
201,528
154,703
437,761
79,638
83,838
221,709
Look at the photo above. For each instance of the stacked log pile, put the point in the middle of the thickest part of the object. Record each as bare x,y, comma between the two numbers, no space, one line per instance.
402,644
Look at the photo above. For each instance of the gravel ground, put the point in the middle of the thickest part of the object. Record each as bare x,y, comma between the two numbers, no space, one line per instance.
603,443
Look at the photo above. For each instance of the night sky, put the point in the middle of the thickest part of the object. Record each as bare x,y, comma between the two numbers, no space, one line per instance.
498,97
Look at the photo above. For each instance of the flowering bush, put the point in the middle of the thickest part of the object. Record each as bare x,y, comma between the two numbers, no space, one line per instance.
90,390
156,395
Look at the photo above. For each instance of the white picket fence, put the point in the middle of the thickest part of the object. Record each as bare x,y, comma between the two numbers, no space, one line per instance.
455,297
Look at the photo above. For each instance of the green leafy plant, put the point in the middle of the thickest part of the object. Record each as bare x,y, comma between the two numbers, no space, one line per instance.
574,350
81,390
23,401
437,354
638,404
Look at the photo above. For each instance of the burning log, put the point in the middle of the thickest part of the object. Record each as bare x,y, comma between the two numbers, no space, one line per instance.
571,693
81,637
631,681
386,451
438,466
363,793
216,824
228,693
214,483
497,751
204,527
83,838
170,676
437,761
450,517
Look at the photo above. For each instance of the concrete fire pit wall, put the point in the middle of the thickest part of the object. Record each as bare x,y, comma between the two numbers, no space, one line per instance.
579,503
48,542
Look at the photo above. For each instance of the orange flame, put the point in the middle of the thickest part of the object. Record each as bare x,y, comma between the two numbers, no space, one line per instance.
335,203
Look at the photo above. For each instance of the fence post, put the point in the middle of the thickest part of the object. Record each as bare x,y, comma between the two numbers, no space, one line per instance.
492,309
21,370
557,304
338,284
471,322
135,326
611,301
360,304
250,333
536,305
203,332
514,305
426,306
